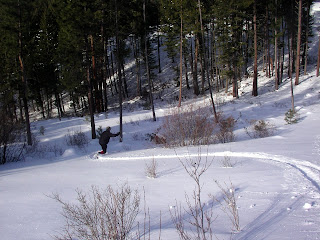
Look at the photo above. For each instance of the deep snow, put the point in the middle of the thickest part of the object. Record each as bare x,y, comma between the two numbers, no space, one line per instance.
277,179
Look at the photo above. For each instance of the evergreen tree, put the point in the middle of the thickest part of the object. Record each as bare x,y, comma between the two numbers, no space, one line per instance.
230,19
19,31
255,67
171,14
298,43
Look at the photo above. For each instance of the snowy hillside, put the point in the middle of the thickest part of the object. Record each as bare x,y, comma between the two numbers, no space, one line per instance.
276,178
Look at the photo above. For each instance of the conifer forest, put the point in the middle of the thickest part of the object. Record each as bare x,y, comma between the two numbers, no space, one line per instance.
97,54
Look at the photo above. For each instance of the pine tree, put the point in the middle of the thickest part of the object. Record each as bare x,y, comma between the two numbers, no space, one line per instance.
171,14
255,67
17,27
298,43
205,61
230,16
147,61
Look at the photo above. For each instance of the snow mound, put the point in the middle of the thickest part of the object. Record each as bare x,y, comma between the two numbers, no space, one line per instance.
70,152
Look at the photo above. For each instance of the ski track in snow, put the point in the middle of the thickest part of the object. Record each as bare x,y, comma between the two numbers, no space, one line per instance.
310,171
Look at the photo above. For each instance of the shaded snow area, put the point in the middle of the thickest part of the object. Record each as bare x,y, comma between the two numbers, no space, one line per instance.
276,179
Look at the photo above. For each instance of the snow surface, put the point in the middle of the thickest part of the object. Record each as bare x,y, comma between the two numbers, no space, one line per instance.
276,179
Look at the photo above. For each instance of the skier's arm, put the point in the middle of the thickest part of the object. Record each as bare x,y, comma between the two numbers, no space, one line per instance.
115,135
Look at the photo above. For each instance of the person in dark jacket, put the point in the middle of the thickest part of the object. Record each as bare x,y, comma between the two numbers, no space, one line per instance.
104,139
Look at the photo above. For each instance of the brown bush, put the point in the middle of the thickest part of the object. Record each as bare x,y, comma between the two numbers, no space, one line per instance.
11,139
260,129
100,215
187,126
225,133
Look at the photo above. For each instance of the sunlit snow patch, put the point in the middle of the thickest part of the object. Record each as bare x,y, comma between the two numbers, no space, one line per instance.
307,206
69,152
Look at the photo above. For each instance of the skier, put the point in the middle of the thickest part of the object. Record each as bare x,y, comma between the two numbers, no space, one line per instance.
104,139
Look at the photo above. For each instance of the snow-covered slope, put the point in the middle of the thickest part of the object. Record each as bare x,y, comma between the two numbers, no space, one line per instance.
277,178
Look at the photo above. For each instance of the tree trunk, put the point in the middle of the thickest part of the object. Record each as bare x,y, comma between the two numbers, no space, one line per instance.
216,60
246,50
48,105
186,70
194,77
126,93
58,105
104,75
227,80
97,95
266,42
298,44
24,82
73,99
181,25
90,95
195,68
136,55
205,63
306,43
283,52
276,52
255,68
212,57
119,69
147,62
292,96
235,83
20,108
25,105
202,70
111,59
158,47
103,89
269,64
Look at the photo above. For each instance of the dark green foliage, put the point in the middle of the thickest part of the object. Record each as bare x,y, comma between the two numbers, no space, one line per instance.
58,56
230,19
171,13
291,117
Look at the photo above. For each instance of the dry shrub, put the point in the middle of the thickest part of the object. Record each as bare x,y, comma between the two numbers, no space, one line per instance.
225,133
158,139
201,215
229,204
155,137
200,221
260,129
151,169
12,139
187,126
101,215
77,139
227,162
42,150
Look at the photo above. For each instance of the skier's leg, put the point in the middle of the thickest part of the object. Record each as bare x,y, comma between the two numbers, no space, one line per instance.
104,148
